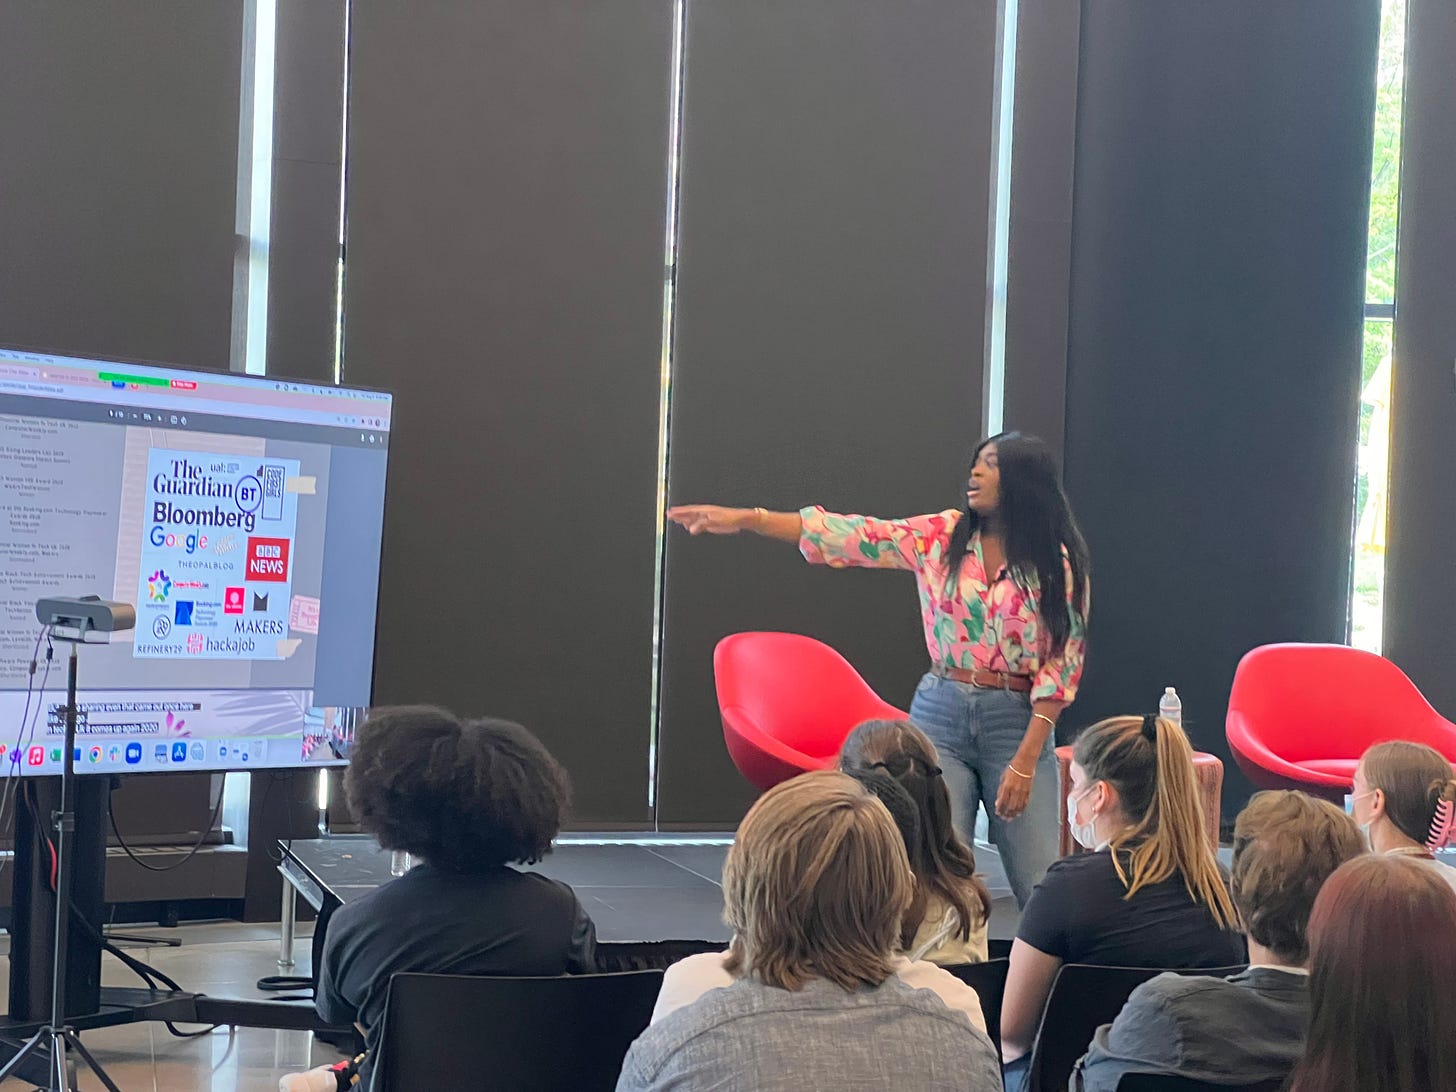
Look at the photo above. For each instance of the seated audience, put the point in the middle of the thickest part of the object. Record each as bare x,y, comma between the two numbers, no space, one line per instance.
946,922
1248,1028
1382,944
466,799
1404,798
812,993
1151,892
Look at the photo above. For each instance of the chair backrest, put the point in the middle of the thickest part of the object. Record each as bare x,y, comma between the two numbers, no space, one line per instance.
1083,998
988,979
463,1031
795,689
649,955
1161,1082
1308,701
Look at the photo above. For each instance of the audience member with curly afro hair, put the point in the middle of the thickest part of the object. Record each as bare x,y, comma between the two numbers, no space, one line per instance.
466,796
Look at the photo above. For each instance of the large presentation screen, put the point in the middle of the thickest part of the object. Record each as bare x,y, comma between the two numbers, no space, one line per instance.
242,516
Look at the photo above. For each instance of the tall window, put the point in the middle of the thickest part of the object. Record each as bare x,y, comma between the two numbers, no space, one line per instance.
1367,601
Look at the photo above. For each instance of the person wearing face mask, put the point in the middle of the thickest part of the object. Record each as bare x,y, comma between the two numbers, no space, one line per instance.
1404,799
1005,589
1151,894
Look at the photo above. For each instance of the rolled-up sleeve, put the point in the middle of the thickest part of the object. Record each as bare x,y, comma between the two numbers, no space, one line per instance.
841,541
1059,676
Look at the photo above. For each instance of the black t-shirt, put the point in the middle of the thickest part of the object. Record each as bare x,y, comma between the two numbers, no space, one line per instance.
1080,913
435,922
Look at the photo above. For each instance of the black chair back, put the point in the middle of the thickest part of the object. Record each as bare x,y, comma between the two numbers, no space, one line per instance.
461,1031
1083,998
989,981
1158,1082
998,949
649,955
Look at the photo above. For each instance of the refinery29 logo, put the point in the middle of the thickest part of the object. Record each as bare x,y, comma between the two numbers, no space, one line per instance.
159,585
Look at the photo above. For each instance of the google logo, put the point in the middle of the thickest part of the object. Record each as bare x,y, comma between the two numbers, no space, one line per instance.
191,542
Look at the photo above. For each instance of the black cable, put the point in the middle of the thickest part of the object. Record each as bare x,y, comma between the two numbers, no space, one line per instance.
146,972
212,822
276,983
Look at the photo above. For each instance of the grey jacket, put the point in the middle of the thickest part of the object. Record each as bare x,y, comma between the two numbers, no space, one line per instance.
1239,1030
749,1037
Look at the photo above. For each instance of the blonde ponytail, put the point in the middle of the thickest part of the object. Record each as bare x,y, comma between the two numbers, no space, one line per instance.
1150,763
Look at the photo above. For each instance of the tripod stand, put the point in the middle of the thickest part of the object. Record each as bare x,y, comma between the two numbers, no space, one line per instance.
58,1036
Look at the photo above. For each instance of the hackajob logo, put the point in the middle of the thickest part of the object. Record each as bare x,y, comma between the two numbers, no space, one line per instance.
159,585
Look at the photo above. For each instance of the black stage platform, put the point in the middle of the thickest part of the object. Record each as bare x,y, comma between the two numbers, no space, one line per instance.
635,890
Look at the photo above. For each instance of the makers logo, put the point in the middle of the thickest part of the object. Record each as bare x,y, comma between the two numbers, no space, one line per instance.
158,586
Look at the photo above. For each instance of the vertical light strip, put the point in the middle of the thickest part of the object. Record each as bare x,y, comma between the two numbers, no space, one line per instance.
255,189
1365,618
1003,104
664,406
343,197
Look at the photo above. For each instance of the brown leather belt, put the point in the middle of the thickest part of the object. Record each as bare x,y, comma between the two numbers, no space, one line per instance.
984,678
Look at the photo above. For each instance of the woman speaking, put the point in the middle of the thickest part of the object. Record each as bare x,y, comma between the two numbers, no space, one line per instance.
1004,591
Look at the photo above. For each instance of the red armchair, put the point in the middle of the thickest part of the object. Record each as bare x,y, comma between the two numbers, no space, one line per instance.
1300,716
787,703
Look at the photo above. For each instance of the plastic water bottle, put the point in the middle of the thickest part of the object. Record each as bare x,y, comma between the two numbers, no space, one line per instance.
1171,707
399,862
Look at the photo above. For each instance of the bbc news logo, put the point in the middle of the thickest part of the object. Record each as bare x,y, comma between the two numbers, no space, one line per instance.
268,559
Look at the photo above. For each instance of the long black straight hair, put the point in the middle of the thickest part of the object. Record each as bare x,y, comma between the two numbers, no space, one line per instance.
1036,525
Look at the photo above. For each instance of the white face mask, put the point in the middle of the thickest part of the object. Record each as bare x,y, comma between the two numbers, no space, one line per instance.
1350,811
1084,833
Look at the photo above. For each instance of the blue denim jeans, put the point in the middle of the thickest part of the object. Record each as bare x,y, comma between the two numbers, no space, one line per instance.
977,731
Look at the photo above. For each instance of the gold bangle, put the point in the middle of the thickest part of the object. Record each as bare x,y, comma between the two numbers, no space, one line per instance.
1018,773
1043,716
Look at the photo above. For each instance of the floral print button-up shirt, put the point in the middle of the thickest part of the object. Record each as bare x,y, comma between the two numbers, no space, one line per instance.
992,623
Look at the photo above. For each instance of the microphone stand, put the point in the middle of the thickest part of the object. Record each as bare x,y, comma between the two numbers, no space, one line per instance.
58,1035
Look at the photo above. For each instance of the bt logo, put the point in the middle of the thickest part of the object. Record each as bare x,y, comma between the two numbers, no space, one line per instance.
249,493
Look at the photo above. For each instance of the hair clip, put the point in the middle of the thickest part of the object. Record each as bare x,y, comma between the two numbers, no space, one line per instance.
1443,826
1150,728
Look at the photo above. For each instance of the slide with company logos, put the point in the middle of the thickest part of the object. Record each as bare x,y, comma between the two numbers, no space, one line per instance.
218,540
252,561
217,557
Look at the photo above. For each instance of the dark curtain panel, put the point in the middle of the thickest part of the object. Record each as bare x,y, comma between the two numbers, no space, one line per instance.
1420,594
832,283
1039,254
506,211
118,177
1218,256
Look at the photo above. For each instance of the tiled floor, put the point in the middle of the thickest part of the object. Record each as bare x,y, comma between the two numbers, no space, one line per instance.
225,960
632,892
